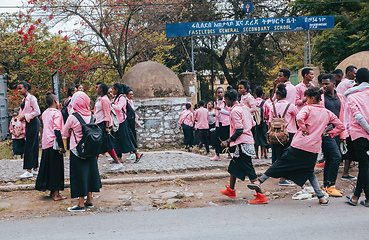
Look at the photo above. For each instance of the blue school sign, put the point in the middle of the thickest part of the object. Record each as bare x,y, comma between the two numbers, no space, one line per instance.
250,26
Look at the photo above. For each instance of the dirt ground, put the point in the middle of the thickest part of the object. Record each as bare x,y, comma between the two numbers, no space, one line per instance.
148,196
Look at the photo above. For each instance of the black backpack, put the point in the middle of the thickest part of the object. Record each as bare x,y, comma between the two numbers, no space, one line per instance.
130,112
64,111
91,140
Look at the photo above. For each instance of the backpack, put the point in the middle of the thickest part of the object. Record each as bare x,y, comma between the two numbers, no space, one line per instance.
130,114
64,111
277,133
258,114
91,140
114,120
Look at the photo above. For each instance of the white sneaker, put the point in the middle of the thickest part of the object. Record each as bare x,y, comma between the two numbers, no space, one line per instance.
26,175
117,166
131,157
34,172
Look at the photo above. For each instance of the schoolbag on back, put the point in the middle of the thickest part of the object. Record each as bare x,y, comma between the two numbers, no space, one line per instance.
258,114
131,115
277,132
91,140
64,111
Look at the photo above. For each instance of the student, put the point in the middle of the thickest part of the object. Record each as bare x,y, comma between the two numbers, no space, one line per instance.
84,173
283,77
124,140
67,102
338,75
241,138
195,137
357,100
308,76
246,97
186,124
297,164
335,103
79,88
102,114
51,173
261,128
110,93
211,122
347,82
17,129
29,112
201,124
132,122
221,123
280,106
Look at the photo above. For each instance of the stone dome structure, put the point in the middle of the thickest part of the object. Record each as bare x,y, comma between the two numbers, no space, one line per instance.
153,80
359,60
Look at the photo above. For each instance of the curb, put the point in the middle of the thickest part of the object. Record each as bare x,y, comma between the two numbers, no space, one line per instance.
186,177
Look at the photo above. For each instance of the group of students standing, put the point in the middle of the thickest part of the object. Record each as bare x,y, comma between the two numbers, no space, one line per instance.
317,119
66,122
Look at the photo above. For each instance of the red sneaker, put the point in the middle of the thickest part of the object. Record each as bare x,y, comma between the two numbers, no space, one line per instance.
229,192
260,199
320,165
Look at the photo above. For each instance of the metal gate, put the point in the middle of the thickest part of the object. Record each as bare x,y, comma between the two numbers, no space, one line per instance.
4,128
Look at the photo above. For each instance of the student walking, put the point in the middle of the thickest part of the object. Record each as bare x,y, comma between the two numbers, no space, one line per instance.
29,111
211,122
260,127
17,129
51,172
84,173
201,124
186,124
297,163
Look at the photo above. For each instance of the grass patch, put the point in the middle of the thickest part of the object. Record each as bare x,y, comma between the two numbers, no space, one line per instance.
169,206
3,209
5,150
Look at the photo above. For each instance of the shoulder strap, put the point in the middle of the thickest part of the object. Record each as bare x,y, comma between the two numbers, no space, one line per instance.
80,119
67,103
275,110
262,104
285,111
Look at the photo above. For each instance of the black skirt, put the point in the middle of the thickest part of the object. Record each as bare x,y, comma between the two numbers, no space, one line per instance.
242,166
84,176
31,146
124,140
260,134
18,146
294,164
107,142
221,133
51,172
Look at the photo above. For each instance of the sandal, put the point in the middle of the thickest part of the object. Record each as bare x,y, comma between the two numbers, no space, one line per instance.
349,199
364,204
324,204
138,159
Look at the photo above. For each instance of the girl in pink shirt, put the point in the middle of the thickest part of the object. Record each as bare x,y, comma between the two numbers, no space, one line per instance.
84,173
51,174
297,163
243,142
186,124
29,112
246,97
17,129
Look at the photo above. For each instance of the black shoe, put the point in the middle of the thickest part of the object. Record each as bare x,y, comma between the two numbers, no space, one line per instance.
76,208
88,205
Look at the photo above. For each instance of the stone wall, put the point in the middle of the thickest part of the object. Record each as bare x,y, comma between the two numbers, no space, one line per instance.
159,119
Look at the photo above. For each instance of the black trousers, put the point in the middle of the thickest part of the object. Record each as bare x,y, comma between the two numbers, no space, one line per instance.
203,135
361,146
188,136
333,159
31,146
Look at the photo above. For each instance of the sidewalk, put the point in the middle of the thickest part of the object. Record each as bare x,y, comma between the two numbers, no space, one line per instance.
157,162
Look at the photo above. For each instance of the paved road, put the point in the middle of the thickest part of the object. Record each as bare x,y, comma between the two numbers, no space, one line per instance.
282,219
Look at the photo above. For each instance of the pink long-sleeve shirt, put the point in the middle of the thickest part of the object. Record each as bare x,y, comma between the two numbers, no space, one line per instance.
358,104
102,110
344,85
291,93
314,119
52,119
186,118
300,90
118,105
291,113
241,118
201,118
17,127
73,123
31,108
249,101
267,108
223,114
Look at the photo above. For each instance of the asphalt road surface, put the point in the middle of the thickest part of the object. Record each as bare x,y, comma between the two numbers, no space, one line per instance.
280,219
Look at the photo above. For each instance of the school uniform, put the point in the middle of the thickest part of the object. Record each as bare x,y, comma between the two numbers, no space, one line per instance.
261,129
249,101
241,165
30,110
132,122
222,123
344,85
124,140
201,124
291,93
84,173
51,172
102,113
300,94
18,127
297,163
280,106
186,122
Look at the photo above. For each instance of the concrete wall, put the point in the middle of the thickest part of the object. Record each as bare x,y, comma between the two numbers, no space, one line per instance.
159,118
